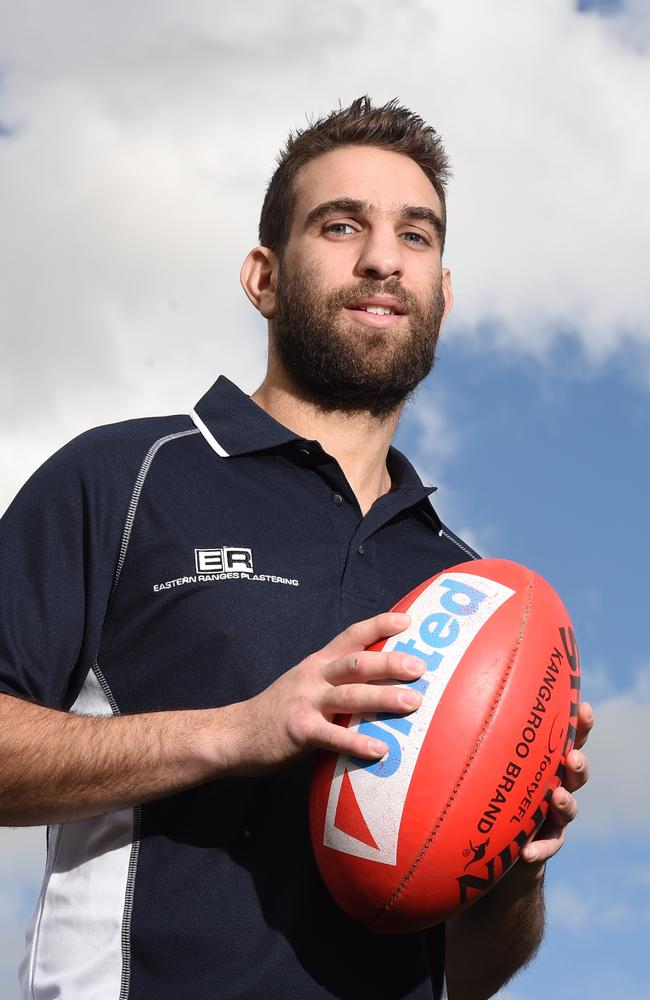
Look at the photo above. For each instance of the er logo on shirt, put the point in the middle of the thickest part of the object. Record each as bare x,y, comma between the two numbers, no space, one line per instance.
225,559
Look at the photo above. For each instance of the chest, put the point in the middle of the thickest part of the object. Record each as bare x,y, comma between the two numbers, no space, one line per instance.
228,581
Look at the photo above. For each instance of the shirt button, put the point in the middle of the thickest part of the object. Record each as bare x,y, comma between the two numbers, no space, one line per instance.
305,451
338,499
361,550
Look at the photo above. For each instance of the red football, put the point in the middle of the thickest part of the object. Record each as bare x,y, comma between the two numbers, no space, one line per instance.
405,842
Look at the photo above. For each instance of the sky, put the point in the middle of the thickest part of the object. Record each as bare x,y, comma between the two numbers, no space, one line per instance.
136,141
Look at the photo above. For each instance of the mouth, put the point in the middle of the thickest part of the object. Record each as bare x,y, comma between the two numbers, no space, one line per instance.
377,311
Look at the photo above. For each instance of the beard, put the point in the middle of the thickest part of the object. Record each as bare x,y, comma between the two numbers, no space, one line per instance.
338,364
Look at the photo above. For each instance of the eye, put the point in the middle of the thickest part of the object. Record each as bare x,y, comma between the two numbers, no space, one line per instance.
338,228
416,238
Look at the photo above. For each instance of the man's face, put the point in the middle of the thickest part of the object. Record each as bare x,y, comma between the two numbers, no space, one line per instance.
364,236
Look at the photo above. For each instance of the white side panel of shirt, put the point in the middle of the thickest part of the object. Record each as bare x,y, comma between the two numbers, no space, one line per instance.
74,939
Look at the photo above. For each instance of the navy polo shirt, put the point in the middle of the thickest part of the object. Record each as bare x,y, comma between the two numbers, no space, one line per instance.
185,562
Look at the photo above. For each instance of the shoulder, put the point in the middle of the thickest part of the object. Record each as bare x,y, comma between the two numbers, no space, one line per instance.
127,441
115,450
98,468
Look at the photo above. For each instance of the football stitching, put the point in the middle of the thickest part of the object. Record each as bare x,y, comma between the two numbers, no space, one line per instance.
425,847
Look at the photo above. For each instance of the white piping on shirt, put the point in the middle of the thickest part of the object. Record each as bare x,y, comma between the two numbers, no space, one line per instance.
209,437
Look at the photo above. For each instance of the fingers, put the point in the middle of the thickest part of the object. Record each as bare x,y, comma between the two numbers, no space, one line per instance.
351,693
563,807
585,724
340,739
365,633
563,810
369,665
362,699
544,848
577,771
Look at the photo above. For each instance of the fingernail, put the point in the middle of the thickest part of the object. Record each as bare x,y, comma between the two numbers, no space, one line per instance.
530,853
379,749
411,699
401,618
579,764
563,798
414,665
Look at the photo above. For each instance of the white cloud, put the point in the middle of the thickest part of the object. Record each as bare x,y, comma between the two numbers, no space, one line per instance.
438,438
551,237
567,907
585,913
22,853
132,184
632,24
435,437
614,804
22,858
11,947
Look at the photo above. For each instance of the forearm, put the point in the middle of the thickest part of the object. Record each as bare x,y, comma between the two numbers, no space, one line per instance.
57,766
489,942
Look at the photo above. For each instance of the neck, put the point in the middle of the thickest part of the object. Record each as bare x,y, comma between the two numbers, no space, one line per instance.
359,442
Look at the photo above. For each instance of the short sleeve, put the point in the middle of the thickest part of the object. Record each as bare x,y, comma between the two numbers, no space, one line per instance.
59,543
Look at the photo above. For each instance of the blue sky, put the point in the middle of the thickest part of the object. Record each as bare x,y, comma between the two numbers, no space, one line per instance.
133,164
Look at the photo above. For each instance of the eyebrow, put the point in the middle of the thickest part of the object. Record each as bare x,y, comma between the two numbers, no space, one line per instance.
352,206
422,214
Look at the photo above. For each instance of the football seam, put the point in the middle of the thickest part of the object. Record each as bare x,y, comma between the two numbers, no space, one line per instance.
427,844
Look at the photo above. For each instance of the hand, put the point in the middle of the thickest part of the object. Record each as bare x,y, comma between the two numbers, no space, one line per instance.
563,807
295,713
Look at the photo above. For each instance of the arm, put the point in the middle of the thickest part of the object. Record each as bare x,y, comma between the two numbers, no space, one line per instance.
496,936
56,766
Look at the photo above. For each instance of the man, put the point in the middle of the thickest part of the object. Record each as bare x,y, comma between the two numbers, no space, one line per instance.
184,608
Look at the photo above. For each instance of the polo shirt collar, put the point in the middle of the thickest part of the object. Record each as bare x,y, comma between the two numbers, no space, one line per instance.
233,424
408,491
403,475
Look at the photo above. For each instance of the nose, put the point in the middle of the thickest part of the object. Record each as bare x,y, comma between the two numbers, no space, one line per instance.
381,255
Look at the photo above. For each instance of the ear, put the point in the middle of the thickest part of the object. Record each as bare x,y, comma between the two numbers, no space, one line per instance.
259,279
447,293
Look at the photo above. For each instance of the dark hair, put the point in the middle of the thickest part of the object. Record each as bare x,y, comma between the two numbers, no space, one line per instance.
388,127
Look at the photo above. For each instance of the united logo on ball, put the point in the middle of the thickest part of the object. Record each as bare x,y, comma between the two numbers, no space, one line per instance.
406,842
